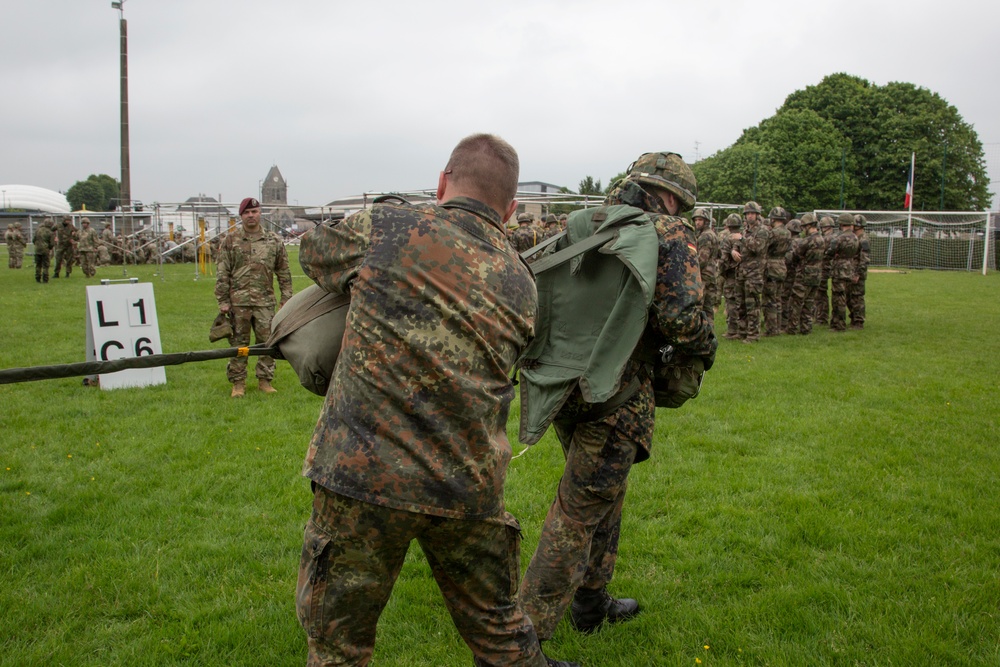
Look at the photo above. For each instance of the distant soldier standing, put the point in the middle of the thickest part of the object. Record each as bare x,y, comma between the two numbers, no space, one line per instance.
808,259
779,242
842,253
105,245
15,245
526,236
750,272
731,242
249,259
793,271
88,248
65,246
829,231
709,254
42,241
856,292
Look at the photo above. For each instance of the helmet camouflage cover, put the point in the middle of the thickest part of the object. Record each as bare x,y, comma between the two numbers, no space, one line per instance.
778,213
669,172
860,221
826,221
808,219
752,207
845,219
702,213
733,220
795,226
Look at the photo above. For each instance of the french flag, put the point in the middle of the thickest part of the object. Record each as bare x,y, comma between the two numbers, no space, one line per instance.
908,200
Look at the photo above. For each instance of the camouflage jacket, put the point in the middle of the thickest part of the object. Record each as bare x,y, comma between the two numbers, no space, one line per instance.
709,254
441,307
727,265
246,269
88,240
14,239
108,237
827,240
864,256
526,237
809,258
66,236
754,251
779,242
43,240
843,253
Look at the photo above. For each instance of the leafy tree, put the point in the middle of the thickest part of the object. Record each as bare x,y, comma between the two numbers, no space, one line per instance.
99,193
588,186
848,139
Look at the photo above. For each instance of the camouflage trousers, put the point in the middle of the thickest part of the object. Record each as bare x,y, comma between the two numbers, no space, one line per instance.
838,310
353,552
16,257
712,297
821,312
42,267
87,262
245,318
786,301
856,304
751,291
772,307
578,547
733,306
64,256
801,309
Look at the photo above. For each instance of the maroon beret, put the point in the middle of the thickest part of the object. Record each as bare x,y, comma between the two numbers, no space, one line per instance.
249,202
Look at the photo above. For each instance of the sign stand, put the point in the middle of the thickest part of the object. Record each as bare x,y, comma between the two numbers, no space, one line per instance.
121,324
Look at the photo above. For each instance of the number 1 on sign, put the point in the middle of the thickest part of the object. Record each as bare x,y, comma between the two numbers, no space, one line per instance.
139,305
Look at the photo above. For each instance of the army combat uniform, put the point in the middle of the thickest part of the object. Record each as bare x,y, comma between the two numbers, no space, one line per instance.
856,291
709,254
42,241
88,249
779,242
411,443
244,281
578,548
842,253
15,245
750,279
808,259
65,247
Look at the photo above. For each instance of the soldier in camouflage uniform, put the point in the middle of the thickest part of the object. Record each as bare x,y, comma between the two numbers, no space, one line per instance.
249,260
829,230
808,258
730,243
42,240
843,254
778,244
65,247
578,548
793,271
526,236
412,441
15,245
88,248
751,265
105,245
856,291
709,254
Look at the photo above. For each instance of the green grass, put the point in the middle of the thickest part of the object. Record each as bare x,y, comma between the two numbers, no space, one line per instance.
827,500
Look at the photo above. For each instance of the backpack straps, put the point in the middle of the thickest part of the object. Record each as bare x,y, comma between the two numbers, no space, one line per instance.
569,252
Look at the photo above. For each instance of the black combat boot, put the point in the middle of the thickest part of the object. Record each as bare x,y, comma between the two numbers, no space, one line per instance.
592,608
550,662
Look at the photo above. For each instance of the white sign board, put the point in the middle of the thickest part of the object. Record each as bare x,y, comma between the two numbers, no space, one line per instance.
121,324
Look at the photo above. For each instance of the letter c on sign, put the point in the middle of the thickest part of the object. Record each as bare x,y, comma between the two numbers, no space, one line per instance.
110,343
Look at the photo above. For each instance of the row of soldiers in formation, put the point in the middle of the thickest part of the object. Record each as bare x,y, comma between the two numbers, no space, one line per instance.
530,233
783,273
84,247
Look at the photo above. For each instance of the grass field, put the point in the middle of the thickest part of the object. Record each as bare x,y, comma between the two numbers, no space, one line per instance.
827,500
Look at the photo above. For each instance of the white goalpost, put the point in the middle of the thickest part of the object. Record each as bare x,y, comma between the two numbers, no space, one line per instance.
940,240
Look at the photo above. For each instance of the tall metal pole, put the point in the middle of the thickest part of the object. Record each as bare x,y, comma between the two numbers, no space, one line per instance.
944,162
125,192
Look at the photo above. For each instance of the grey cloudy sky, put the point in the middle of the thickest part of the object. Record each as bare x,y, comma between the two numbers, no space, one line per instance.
347,97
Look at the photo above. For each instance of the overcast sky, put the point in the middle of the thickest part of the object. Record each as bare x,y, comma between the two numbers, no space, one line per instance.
349,97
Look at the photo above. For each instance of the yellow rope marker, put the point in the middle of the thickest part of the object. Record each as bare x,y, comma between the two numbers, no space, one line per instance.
243,352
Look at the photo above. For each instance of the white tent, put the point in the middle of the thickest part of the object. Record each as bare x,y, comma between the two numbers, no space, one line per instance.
33,198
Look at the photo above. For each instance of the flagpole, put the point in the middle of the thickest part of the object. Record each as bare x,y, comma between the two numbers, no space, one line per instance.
909,215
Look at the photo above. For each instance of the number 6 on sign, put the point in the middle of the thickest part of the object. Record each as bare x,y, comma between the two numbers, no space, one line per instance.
121,324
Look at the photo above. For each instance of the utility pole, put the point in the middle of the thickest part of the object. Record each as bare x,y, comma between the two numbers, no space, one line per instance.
125,191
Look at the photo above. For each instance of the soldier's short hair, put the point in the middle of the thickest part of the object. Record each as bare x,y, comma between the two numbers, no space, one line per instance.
488,165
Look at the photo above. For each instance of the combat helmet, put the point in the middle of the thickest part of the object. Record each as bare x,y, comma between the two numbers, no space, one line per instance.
669,172
860,221
795,226
752,207
778,213
524,217
826,221
733,220
702,213
808,219
845,220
